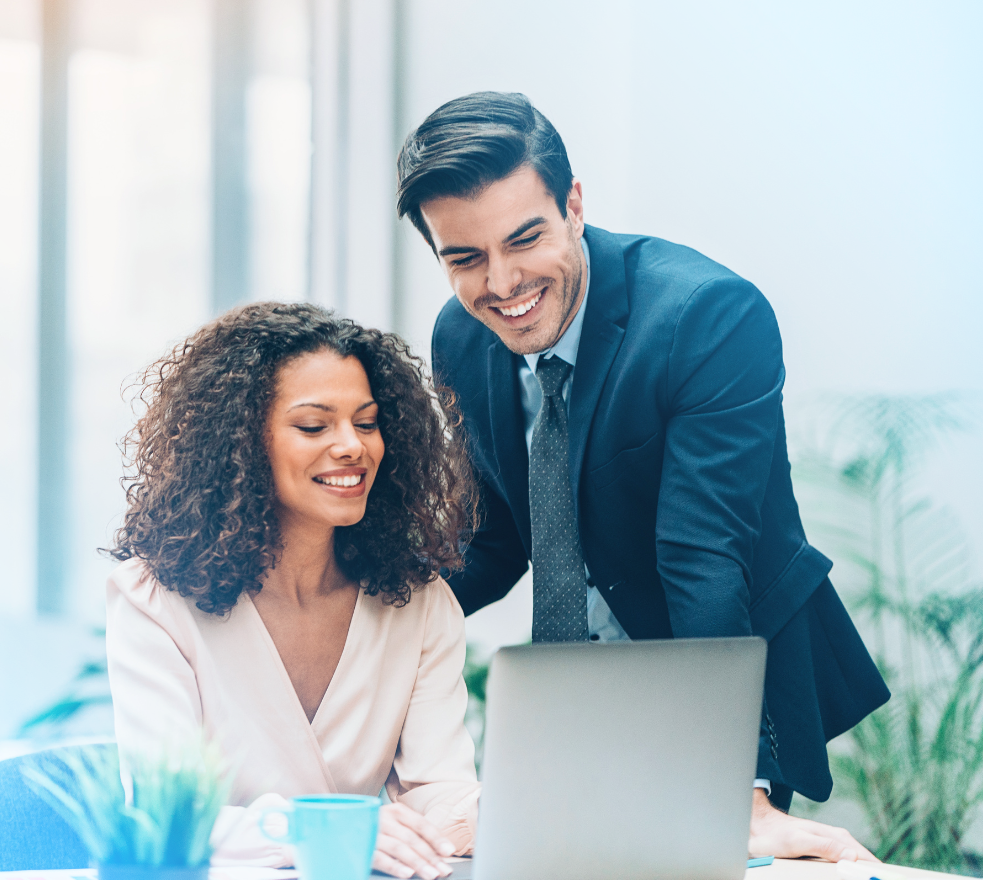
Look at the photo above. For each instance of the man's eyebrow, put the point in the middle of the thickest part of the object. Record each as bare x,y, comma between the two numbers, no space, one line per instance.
452,250
328,408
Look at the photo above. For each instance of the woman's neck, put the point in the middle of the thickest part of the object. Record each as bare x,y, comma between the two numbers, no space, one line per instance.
306,568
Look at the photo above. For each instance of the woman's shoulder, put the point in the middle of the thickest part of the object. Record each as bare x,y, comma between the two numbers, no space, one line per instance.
133,583
425,601
443,601
432,612
133,579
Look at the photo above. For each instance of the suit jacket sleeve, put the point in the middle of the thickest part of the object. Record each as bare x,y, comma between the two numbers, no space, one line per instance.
494,559
724,383
724,386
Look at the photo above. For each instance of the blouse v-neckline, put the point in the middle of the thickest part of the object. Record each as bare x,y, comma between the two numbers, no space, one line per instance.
285,676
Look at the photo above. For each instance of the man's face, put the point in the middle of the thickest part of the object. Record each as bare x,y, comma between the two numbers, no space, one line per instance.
514,263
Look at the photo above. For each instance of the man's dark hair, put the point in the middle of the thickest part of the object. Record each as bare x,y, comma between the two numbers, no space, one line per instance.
473,141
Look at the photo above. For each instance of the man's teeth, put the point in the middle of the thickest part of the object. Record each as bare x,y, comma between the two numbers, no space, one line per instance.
522,308
352,480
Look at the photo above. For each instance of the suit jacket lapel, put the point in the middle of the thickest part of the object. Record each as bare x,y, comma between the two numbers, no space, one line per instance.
604,328
508,433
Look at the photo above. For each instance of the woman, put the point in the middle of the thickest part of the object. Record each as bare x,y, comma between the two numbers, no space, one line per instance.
296,488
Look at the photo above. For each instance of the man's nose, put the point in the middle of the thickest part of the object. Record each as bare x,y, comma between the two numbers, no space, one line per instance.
504,276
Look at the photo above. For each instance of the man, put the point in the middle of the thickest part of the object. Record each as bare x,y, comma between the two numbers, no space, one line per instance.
622,397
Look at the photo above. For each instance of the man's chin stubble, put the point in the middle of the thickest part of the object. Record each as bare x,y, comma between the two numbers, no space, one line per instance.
516,346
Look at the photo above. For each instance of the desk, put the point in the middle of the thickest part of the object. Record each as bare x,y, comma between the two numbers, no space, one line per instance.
780,869
811,869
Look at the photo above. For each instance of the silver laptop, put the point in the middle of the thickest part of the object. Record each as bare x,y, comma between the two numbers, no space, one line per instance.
624,760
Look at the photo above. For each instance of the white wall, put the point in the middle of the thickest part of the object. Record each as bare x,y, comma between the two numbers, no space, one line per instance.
830,153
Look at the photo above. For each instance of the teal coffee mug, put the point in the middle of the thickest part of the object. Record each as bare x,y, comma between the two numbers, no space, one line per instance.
332,834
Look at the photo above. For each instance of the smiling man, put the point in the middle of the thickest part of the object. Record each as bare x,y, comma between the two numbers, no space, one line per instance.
622,397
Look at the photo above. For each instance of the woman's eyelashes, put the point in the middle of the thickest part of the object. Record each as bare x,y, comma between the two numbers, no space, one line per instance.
364,427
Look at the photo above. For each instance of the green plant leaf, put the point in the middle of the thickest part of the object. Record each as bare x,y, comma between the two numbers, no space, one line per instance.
916,765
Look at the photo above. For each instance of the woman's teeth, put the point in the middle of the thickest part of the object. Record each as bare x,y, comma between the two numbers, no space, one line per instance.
352,480
522,308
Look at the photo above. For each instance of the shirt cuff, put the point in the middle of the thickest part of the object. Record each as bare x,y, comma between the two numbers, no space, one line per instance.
763,783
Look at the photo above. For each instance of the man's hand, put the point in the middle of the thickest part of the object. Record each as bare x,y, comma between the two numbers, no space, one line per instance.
408,844
774,833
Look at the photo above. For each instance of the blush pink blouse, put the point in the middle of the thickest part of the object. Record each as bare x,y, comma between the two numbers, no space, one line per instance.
393,714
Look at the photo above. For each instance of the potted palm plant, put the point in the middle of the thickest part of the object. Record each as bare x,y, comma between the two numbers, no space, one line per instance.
160,831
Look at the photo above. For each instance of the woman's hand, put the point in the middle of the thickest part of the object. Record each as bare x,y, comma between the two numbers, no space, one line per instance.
408,844
774,833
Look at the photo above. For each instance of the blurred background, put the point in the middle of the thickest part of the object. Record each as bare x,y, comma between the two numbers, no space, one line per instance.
163,160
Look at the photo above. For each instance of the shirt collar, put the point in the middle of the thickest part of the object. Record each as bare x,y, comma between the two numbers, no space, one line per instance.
566,346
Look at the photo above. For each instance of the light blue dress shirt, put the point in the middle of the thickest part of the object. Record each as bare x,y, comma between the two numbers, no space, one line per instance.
602,625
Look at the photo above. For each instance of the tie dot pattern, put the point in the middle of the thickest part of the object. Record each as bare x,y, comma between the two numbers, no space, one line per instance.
559,612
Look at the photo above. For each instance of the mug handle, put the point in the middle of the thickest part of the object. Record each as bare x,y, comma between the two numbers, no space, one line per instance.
276,811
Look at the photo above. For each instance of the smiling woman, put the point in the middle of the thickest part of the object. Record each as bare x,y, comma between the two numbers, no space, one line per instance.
295,483
202,500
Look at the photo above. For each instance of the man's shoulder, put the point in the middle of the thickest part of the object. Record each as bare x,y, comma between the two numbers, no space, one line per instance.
649,283
646,257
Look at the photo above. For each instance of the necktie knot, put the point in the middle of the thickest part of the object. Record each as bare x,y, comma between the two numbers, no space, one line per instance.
552,373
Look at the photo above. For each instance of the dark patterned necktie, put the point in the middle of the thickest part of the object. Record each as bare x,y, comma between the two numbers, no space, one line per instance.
559,583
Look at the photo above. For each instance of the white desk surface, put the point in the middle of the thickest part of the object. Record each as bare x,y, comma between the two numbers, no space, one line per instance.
780,869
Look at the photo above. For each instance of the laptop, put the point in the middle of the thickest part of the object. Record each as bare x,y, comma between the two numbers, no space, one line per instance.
626,760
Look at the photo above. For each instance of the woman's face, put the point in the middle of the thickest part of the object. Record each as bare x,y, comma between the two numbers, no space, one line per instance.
323,440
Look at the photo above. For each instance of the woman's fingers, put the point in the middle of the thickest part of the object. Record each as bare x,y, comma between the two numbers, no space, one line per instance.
389,865
410,859
386,863
424,828
408,844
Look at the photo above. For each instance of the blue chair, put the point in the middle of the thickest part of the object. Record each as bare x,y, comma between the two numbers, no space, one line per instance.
33,836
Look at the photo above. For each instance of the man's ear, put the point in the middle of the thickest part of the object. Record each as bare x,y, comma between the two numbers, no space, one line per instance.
575,207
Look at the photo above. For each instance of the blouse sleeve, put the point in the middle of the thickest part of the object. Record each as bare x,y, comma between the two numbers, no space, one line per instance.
156,702
433,771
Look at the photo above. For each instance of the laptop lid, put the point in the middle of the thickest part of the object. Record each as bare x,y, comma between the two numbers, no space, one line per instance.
627,759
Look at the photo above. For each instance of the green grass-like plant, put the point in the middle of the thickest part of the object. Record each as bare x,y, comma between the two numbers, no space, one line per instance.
915,767
176,798
476,678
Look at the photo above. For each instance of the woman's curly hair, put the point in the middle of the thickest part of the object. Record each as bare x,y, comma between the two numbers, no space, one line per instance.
199,487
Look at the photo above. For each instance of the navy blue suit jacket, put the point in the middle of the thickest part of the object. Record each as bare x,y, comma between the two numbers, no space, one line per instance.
681,484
